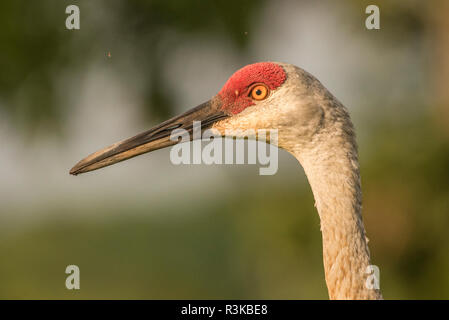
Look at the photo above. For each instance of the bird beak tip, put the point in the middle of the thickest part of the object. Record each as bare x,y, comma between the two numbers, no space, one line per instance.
73,171
77,169
156,138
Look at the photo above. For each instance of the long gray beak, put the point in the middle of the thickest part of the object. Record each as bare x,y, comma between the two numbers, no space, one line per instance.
156,138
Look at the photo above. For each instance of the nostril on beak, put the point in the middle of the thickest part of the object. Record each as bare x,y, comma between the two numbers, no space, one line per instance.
173,127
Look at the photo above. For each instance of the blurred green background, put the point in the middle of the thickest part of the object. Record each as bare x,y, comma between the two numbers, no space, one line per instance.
149,229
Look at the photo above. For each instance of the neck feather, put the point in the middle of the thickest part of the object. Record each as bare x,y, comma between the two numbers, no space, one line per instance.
332,168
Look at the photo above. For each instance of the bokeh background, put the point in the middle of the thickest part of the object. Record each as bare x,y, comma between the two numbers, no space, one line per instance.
147,229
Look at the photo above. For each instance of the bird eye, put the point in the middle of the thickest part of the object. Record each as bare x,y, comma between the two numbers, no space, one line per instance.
259,92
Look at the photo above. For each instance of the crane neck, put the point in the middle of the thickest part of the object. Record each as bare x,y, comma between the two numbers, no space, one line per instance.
332,168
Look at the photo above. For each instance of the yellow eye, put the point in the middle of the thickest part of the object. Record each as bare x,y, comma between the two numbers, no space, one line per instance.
259,92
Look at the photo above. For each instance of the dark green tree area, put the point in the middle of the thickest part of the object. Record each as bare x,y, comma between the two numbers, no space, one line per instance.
35,46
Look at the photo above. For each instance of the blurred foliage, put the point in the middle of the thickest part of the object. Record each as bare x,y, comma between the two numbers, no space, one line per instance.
261,240
405,178
31,50
36,48
227,249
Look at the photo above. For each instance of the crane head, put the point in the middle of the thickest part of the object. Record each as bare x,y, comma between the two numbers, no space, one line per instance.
263,95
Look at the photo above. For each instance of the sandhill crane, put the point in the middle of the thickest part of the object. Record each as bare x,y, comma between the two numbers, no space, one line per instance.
314,127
